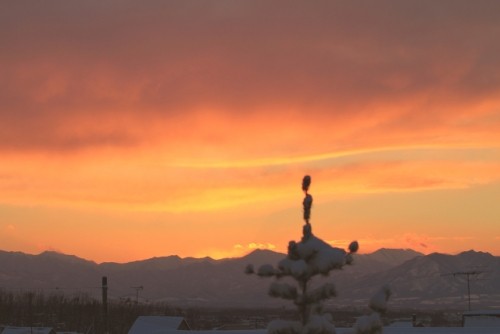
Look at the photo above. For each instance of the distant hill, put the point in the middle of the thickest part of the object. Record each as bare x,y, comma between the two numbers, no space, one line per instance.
442,279
382,259
417,280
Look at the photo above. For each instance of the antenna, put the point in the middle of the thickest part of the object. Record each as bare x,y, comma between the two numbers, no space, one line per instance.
467,274
137,289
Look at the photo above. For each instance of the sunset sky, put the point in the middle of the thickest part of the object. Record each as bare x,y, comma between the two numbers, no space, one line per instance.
133,129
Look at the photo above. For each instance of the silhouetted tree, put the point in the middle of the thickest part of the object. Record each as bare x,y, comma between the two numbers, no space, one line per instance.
306,259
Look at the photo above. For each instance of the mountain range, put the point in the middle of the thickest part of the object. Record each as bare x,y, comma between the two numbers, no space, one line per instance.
416,280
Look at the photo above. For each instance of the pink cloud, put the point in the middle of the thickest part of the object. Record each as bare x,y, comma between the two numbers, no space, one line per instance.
10,228
70,85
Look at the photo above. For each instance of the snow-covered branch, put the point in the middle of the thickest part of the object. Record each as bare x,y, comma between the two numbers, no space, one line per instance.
283,290
325,291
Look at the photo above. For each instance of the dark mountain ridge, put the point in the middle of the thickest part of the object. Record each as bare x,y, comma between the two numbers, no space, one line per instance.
425,280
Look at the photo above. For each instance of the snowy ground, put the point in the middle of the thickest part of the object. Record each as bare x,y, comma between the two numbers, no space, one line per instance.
387,330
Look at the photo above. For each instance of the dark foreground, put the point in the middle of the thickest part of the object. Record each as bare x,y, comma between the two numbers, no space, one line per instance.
84,314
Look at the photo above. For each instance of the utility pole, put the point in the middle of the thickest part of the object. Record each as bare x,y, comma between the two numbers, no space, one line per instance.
137,289
467,274
105,303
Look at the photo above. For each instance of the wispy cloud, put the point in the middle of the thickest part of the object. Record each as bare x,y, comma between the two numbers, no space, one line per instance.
277,161
254,245
417,241
139,182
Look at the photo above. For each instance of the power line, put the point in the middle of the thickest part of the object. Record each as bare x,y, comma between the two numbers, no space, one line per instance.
137,289
467,274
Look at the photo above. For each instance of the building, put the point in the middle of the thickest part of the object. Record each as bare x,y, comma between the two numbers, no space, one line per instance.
26,330
490,318
157,324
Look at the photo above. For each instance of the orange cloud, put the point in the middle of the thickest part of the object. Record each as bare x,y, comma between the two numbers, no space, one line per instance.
138,182
335,89
225,119
254,245
10,228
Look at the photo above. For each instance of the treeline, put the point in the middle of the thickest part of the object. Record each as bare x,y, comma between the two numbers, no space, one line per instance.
77,312
83,313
